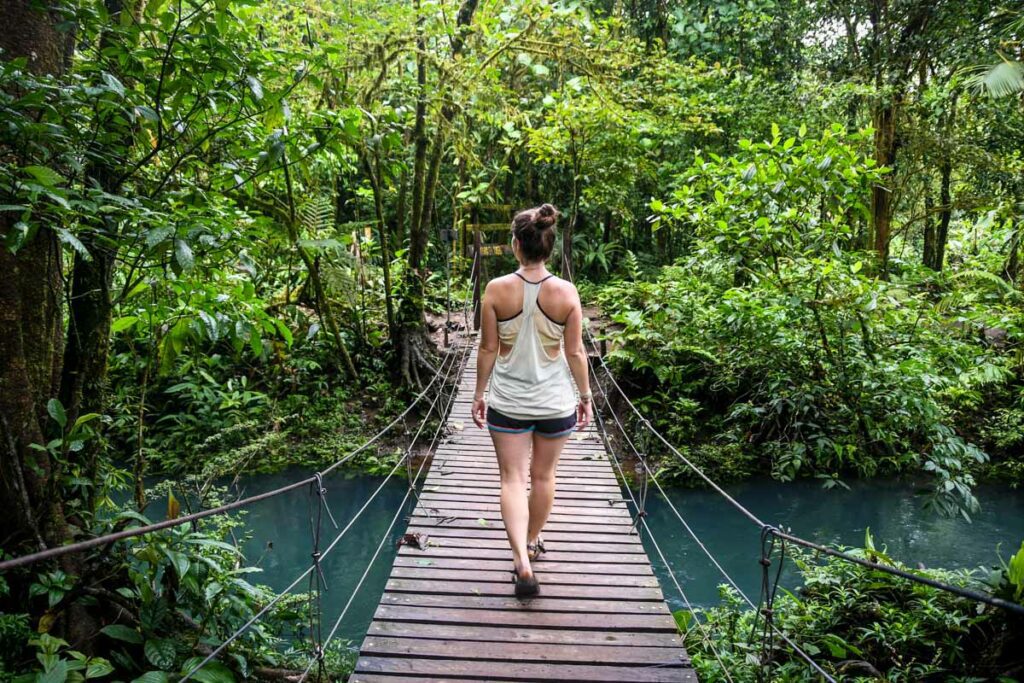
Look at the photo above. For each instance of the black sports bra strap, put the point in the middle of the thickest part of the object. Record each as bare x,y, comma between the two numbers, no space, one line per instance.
520,276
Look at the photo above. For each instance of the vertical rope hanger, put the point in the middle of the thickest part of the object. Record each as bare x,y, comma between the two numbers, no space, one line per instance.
765,614
317,580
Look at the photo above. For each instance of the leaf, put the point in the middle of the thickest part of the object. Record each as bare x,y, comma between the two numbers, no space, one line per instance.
286,334
98,667
179,561
160,652
1006,78
212,672
152,677
173,506
183,255
45,175
145,112
66,236
56,411
122,324
57,674
212,590
482,522
122,632
255,86
117,87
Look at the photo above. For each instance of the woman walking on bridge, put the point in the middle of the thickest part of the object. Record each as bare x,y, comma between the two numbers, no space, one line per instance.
526,319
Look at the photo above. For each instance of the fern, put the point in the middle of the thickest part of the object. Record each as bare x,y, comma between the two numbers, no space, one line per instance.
990,278
317,215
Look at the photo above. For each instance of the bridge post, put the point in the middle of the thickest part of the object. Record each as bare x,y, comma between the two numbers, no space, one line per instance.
477,263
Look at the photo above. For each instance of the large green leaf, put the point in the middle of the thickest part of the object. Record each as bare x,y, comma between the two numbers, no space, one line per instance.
160,652
122,632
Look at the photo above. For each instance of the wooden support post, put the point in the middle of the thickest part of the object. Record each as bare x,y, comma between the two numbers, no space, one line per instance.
567,270
477,264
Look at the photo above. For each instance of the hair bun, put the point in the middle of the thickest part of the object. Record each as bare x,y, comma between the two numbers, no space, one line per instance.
546,216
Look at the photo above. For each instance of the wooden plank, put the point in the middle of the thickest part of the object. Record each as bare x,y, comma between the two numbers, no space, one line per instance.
544,568
547,578
522,652
503,634
500,588
539,606
582,546
576,509
524,671
583,621
565,501
473,522
552,538
504,554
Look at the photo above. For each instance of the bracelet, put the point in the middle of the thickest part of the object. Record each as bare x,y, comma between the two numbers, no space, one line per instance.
587,397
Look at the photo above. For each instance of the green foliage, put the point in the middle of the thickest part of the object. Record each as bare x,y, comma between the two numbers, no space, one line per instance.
775,340
860,624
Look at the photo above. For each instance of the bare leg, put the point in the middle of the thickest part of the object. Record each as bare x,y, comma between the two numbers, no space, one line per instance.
546,452
513,452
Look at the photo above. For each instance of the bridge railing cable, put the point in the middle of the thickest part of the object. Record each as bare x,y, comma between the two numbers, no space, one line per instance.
768,532
410,493
641,519
318,645
700,543
319,557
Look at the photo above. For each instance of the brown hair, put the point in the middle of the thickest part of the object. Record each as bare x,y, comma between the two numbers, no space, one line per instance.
535,230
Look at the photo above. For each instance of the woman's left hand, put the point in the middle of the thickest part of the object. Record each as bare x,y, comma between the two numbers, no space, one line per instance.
479,412
584,414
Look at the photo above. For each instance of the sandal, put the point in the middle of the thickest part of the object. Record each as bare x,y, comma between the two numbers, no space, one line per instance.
525,588
536,549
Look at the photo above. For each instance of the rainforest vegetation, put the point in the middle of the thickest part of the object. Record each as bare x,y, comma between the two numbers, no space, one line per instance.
231,229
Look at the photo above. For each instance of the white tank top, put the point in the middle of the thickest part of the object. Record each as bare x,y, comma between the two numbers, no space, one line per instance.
526,382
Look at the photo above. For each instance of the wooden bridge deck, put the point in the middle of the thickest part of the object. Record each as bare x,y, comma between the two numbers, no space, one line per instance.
448,612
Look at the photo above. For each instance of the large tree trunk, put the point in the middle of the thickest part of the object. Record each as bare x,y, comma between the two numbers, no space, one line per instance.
945,213
412,343
881,196
31,345
928,250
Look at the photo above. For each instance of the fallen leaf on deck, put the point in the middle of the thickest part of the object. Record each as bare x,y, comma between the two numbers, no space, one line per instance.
416,540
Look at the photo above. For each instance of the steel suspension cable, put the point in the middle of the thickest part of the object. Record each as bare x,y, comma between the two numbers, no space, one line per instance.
696,538
705,636
689,530
387,532
450,361
895,571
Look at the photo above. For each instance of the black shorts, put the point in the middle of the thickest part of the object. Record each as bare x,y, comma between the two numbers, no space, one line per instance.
551,427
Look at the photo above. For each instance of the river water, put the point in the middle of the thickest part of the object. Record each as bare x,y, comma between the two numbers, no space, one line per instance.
280,534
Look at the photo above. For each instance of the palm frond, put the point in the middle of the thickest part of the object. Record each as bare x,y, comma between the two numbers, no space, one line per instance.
1000,80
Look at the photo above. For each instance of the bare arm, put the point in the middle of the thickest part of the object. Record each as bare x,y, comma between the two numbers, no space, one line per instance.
486,354
576,355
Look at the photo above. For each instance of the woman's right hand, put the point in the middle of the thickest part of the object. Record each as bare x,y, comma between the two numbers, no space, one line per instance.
479,412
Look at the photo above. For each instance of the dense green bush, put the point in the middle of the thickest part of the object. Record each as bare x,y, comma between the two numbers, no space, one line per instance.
860,624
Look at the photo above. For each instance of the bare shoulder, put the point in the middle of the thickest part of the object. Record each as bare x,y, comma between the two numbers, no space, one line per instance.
565,288
498,284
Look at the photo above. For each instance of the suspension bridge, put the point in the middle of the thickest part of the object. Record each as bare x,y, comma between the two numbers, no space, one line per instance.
447,611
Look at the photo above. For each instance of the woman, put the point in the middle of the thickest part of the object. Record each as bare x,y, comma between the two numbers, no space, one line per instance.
525,318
